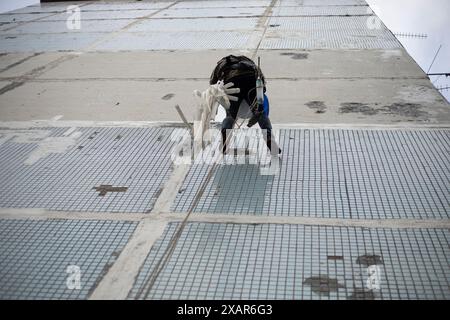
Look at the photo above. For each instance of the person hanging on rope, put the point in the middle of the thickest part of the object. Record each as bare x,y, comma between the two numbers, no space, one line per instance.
241,72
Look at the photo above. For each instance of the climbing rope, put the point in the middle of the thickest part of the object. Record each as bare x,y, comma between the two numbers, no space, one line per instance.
151,280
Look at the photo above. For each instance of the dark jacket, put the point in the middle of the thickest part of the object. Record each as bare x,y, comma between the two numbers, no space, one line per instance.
233,66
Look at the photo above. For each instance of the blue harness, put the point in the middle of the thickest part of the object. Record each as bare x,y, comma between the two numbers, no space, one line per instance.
266,105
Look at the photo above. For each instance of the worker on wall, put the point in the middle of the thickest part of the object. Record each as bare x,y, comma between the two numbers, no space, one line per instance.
244,74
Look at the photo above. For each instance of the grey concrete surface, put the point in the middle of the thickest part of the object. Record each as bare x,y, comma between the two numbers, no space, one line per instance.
142,71
18,65
292,101
138,81
183,64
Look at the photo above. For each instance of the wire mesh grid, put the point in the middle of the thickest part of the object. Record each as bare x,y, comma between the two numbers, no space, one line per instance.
335,173
243,261
135,158
35,256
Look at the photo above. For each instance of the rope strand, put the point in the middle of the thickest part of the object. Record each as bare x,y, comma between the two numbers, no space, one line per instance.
151,280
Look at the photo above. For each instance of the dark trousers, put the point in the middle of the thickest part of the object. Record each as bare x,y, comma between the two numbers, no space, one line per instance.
248,93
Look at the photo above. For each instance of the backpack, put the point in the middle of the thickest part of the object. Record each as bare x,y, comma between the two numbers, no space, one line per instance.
231,66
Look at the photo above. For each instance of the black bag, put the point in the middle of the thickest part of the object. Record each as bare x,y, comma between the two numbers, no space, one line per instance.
232,66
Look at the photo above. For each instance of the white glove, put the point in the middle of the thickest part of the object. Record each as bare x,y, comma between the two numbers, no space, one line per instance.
207,104
224,93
